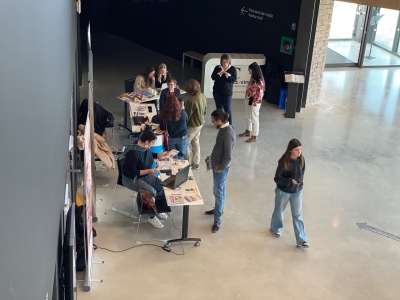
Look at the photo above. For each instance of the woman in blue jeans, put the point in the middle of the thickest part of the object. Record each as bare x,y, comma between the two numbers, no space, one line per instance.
221,157
175,119
224,77
138,172
289,184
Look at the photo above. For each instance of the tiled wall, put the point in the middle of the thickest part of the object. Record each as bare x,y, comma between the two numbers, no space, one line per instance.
320,49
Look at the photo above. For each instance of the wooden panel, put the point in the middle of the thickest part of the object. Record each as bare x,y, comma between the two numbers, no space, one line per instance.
392,4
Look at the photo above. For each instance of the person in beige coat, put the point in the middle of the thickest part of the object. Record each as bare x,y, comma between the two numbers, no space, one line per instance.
145,80
101,148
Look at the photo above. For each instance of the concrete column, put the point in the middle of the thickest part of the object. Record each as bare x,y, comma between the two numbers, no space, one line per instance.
319,51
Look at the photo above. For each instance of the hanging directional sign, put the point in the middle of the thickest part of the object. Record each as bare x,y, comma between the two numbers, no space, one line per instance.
378,231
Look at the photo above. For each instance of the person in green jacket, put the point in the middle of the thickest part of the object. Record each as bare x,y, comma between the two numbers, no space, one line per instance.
196,108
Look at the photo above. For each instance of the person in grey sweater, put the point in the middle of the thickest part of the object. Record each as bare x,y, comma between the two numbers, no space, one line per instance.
221,157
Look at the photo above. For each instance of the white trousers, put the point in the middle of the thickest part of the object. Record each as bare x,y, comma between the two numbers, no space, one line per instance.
252,121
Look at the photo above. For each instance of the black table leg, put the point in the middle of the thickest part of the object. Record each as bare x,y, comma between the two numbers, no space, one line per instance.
185,229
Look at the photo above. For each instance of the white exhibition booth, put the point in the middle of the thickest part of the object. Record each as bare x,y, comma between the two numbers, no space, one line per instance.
239,60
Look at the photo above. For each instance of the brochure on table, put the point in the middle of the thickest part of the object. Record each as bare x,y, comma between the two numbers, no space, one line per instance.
188,192
137,96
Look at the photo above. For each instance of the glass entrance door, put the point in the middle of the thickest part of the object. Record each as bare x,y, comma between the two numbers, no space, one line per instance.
346,34
382,38
363,36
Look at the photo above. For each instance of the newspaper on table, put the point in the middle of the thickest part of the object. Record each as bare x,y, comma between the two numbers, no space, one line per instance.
188,194
136,96
172,154
166,162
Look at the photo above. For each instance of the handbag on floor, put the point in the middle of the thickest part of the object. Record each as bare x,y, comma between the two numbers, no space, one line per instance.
148,200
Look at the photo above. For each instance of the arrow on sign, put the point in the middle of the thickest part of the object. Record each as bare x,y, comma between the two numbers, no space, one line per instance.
243,11
378,231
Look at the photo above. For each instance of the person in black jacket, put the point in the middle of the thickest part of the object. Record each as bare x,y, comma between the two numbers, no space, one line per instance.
138,172
171,90
224,76
101,116
289,184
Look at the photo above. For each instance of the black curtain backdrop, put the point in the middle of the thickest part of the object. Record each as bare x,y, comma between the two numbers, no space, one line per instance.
174,26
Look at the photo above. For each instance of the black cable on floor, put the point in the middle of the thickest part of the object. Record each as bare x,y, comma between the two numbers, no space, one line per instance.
180,234
119,251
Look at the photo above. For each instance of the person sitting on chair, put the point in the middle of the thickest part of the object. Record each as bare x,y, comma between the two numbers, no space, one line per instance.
145,81
171,90
137,172
162,75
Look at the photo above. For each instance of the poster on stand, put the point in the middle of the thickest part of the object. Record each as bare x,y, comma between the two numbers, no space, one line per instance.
88,198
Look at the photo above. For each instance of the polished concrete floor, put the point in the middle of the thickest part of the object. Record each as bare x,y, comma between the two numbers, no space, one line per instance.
352,150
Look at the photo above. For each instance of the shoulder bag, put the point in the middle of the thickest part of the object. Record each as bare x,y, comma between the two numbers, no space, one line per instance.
166,136
148,200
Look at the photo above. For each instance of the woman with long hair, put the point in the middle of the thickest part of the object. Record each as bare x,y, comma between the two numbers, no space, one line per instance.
196,108
138,172
289,185
162,75
146,80
224,76
170,90
221,158
175,119
252,103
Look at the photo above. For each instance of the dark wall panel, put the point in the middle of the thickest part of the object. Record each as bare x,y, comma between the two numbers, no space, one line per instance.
95,11
38,41
174,26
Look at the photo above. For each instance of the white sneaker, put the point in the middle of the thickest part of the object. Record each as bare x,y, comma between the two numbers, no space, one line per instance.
163,215
155,222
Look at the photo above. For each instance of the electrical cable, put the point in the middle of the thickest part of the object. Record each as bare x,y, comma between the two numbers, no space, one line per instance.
167,249
119,251
180,234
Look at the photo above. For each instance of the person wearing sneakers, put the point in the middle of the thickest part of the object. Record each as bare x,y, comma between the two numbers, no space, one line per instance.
137,172
252,103
221,158
196,109
289,185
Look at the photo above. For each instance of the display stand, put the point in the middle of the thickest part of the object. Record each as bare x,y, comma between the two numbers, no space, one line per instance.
372,32
89,188
90,178
239,60
293,79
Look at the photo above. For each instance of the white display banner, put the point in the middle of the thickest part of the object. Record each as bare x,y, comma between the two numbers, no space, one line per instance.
240,61
88,198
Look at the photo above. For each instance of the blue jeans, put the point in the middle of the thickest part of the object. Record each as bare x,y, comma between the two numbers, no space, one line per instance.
178,144
219,191
224,103
281,201
149,182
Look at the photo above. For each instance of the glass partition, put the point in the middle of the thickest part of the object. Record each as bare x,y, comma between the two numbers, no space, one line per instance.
382,42
363,36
